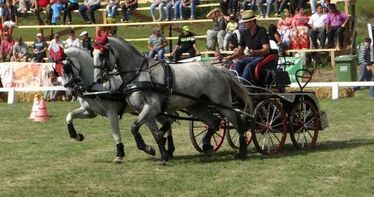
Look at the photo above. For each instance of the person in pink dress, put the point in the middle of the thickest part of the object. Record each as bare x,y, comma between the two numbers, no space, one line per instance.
299,36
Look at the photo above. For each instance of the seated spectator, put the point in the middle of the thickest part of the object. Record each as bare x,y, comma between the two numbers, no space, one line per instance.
256,40
70,5
86,42
188,4
9,16
268,8
299,36
156,44
50,95
24,6
231,30
39,49
218,32
128,7
186,43
91,6
295,5
249,4
160,4
20,53
168,7
56,6
55,44
336,22
275,39
284,28
111,10
6,47
177,4
317,24
72,41
279,5
40,6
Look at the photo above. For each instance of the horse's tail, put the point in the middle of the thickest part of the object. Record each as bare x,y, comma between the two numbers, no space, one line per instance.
239,90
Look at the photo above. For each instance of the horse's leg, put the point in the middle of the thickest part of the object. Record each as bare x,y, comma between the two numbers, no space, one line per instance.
211,120
80,113
113,117
152,125
166,128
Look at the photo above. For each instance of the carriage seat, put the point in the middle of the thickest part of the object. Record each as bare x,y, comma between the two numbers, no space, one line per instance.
267,74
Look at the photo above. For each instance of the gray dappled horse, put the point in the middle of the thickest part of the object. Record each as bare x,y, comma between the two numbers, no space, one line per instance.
78,71
193,87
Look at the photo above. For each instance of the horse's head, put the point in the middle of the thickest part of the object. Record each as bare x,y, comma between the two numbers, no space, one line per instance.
70,74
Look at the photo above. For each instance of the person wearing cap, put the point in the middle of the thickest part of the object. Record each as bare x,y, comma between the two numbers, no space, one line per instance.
336,22
218,32
186,43
86,41
6,47
72,40
20,53
256,40
39,49
156,44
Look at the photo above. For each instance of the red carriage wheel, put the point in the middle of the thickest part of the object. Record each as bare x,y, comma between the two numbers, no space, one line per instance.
305,122
269,127
198,130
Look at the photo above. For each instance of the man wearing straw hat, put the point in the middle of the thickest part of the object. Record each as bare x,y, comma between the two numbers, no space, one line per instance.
218,32
255,39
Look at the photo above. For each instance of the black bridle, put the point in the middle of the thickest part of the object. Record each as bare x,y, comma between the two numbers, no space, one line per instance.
75,81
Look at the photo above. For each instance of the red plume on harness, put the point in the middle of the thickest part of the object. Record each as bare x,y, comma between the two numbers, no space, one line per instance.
57,58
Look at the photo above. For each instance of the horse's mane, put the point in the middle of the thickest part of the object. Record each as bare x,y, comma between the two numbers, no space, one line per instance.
119,39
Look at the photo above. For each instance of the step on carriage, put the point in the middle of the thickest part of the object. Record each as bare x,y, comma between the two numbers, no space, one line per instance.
276,113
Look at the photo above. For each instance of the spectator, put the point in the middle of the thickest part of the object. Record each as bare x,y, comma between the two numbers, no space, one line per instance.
255,38
295,5
249,4
50,95
233,7
6,47
268,8
24,6
91,6
366,67
86,42
55,44
128,7
188,3
284,28
231,30
168,7
20,53
336,22
70,5
313,5
275,39
40,6
177,4
9,16
72,41
111,10
56,6
39,48
218,32
299,36
317,24
186,43
156,44
279,5
160,4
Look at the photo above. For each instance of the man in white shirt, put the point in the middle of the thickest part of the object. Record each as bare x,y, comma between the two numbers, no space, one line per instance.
72,41
317,23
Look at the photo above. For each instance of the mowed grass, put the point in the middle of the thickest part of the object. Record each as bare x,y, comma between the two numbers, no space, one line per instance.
39,159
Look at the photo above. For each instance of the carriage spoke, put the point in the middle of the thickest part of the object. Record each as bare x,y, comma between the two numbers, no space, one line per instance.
271,139
276,137
200,133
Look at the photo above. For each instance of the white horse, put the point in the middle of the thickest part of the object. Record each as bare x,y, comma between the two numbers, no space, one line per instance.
192,86
78,71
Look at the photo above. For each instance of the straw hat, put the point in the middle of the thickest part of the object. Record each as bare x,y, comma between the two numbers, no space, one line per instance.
248,15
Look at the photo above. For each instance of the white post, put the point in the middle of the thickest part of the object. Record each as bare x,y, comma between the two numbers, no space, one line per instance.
335,91
11,96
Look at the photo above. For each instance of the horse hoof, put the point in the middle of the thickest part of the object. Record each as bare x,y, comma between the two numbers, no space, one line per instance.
207,149
79,137
118,160
170,154
241,156
161,162
150,150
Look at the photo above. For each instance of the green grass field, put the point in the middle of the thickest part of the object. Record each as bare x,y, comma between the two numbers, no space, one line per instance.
39,159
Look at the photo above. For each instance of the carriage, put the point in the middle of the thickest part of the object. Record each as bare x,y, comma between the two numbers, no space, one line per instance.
276,112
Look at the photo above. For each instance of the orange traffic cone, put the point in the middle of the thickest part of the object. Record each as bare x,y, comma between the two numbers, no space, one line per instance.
35,107
41,115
